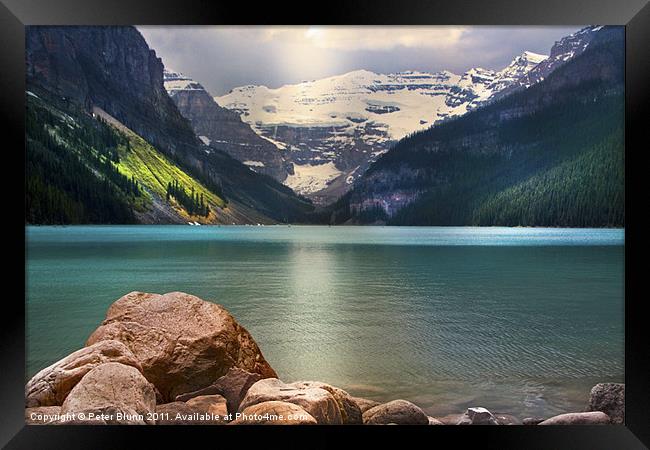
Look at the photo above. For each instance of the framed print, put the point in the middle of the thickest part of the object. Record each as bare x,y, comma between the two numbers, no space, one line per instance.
380,220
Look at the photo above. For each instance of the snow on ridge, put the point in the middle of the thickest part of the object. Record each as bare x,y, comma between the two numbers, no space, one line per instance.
309,178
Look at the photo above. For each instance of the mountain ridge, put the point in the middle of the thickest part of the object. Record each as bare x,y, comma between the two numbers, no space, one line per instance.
348,120
462,171
112,68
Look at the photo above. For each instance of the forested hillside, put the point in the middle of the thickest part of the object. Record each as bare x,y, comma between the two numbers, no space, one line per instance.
550,155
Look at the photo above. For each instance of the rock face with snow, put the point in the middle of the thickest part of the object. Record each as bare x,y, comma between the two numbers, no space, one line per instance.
222,128
332,129
562,51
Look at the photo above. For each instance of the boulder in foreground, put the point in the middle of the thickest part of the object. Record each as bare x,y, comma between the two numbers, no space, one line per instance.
233,386
365,404
274,413
400,412
51,386
318,402
182,342
350,411
117,391
610,399
582,418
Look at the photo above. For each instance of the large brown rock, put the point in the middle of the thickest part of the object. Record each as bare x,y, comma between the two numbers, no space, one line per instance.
182,342
112,393
350,411
318,402
581,418
364,404
233,386
50,386
400,412
610,399
274,413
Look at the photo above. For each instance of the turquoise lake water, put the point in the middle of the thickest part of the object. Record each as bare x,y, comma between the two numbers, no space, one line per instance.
518,320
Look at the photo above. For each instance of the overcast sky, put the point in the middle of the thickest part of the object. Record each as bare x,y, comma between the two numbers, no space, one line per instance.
222,58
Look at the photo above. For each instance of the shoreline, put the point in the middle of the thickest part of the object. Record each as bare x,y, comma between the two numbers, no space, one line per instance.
162,386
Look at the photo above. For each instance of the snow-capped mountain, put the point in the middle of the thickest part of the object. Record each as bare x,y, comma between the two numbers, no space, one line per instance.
562,51
222,128
333,128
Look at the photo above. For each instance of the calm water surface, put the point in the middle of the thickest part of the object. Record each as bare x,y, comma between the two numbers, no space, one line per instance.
518,320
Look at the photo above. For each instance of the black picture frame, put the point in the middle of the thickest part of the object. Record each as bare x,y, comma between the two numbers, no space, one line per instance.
633,14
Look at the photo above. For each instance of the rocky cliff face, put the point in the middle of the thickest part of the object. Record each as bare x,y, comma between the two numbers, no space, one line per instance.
562,51
112,68
222,128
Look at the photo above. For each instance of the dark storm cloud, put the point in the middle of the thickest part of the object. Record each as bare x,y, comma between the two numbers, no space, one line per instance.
222,58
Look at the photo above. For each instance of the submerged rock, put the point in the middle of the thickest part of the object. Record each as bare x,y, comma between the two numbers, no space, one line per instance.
183,343
610,399
581,418
233,386
114,390
51,386
477,416
274,413
399,412
318,402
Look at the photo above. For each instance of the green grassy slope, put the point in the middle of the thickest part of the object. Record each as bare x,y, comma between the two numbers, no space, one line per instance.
81,169
155,171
